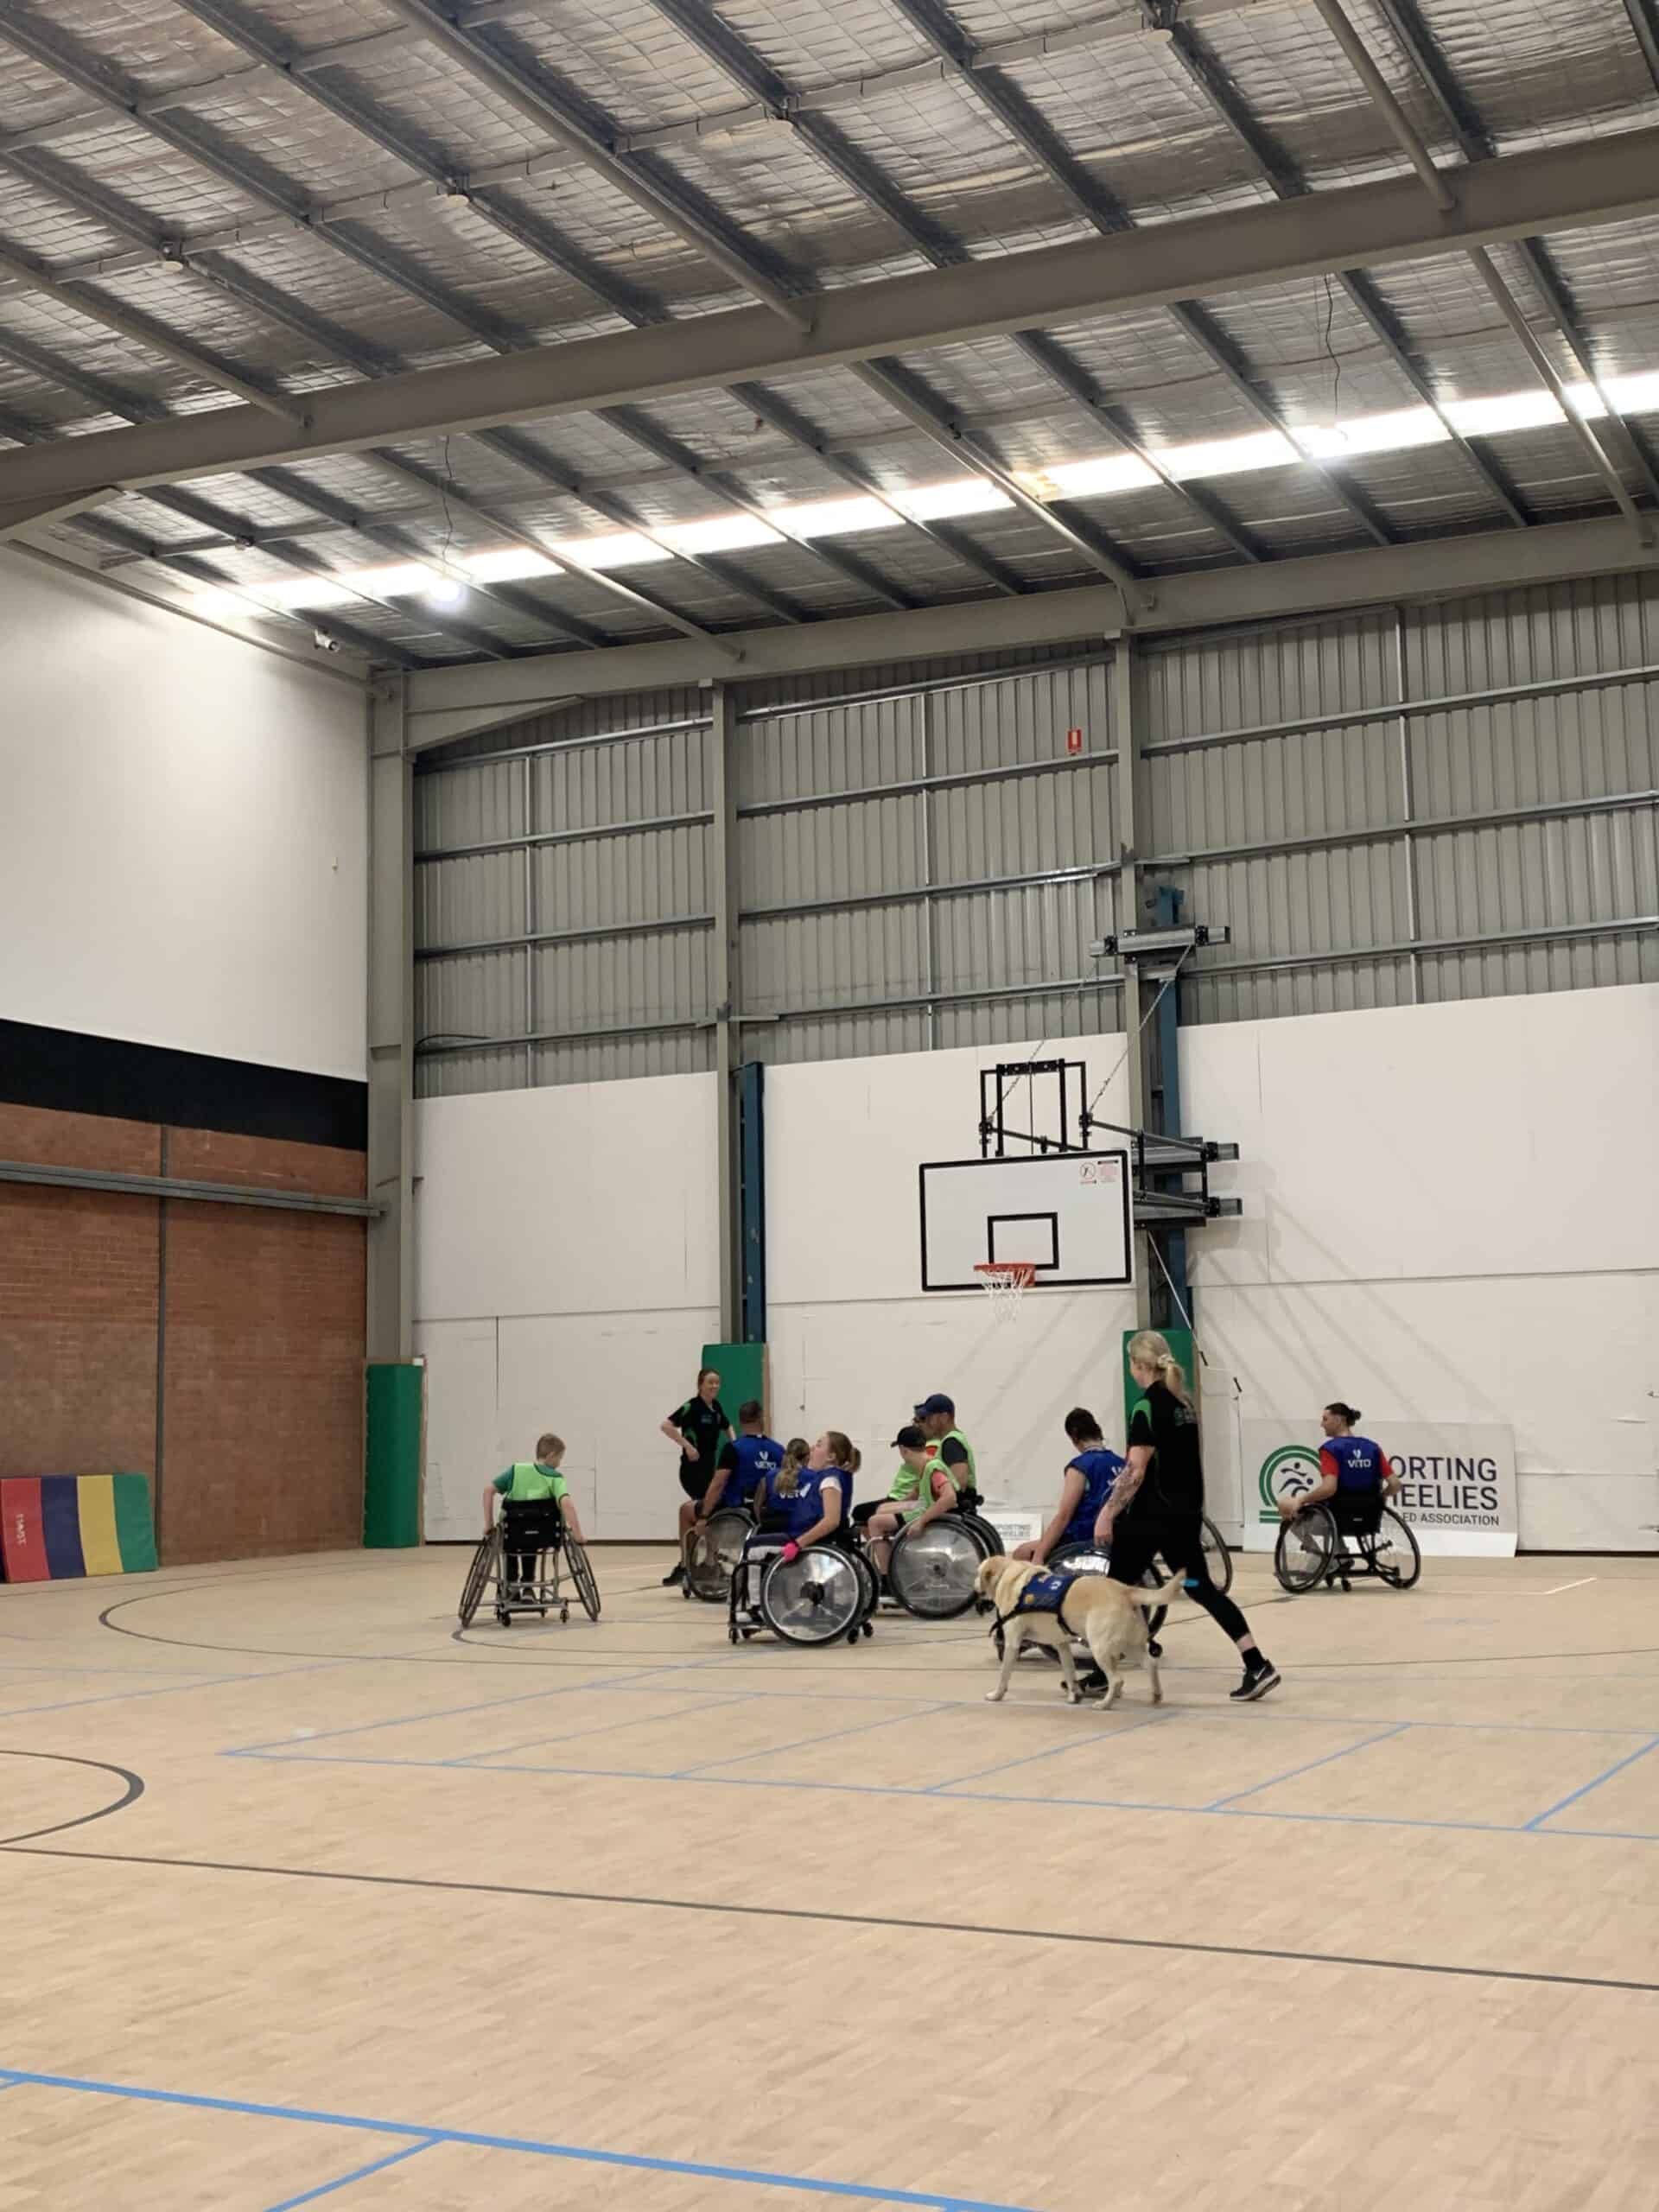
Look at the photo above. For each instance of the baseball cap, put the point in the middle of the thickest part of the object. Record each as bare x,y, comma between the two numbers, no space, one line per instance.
938,1403
910,1438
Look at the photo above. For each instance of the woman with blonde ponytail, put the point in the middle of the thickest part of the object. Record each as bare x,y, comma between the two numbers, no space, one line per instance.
806,1499
1156,1505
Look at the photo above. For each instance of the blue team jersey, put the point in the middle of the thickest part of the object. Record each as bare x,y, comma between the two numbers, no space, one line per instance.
1356,1463
1100,1469
805,1507
757,1457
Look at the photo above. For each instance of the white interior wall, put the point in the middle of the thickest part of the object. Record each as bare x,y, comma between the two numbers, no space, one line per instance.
567,1278
855,1343
1452,1214
183,833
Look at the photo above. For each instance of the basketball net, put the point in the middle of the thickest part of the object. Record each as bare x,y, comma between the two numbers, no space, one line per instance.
1007,1281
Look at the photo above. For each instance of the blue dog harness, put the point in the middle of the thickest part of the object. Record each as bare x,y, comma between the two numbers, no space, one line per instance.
1044,1593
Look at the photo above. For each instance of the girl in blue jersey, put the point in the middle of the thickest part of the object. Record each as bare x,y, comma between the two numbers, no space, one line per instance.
807,1503
1354,1472
1088,1484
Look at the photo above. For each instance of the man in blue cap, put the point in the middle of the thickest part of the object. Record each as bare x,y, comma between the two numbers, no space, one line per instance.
938,1416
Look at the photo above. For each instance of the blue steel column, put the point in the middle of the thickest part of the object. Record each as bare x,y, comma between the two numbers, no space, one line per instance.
1172,1242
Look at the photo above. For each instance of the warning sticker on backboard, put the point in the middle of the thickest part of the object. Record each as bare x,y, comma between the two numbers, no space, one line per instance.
1100,1171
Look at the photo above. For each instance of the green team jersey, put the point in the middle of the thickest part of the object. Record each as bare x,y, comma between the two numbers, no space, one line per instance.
528,1482
955,1436
924,1486
903,1486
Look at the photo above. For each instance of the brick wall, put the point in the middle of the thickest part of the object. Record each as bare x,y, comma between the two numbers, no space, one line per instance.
249,1322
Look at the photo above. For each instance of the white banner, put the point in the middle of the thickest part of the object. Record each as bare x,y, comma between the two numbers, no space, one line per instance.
1457,1483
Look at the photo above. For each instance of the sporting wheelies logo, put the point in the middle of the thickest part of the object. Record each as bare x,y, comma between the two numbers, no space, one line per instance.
1291,1471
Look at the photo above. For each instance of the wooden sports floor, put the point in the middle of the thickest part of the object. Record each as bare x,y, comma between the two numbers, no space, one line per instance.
309,1900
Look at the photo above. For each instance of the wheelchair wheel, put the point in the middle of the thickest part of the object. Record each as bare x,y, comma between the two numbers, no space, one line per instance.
477,1576
718,1550
1306,1550
933,1570
1393,1553
1080,1558
990,1544
581,1574
1217,1557
815,1597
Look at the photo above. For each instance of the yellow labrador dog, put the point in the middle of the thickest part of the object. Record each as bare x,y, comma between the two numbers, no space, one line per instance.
1110,1619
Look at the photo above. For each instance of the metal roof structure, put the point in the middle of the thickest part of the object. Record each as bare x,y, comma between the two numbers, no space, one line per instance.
448,333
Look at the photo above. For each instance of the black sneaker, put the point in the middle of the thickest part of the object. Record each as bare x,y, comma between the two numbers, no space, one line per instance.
1155,1650
673,1580
1258,1680
1092,1678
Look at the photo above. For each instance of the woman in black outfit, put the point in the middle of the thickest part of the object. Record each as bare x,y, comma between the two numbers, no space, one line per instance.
699,1428
1156,1505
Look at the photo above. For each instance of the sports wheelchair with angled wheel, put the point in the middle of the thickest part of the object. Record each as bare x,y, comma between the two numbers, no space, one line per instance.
533,1530
931,1571
1333,1541
825,1594
712,1551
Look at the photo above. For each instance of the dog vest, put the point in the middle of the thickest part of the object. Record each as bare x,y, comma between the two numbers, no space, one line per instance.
1044,1593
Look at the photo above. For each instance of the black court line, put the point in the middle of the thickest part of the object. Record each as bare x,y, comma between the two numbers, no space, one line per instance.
133,1790
863,1920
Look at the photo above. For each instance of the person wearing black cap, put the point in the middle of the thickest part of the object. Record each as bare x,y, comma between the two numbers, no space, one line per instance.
921,1491
937,1417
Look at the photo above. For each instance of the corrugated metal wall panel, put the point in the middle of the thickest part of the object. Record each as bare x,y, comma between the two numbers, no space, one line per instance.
838,749
455,1074
470,902
1197,685
831,852
1313,929
643,877
1024,825
579,718
804,961
1299,785
612,981
488,801
634,780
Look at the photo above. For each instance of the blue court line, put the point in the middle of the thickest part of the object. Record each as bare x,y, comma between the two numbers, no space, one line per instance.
168,1689
452,1712
426,2136
604,1728
1629,1759
802,1744
361,2173
1096,1736
1217,1804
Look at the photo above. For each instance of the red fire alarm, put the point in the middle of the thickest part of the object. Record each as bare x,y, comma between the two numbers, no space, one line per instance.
1074,741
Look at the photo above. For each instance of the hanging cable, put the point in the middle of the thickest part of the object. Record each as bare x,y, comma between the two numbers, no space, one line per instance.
1112,1073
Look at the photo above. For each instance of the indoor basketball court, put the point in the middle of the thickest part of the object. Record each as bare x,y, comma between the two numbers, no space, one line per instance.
828,1243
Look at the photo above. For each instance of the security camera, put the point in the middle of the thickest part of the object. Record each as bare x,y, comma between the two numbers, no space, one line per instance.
324,643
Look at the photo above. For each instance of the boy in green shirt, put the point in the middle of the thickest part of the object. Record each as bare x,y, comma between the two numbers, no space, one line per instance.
532,1481
921,1491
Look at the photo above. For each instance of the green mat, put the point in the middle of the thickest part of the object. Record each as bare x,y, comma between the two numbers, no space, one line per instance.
742,1370
393,1453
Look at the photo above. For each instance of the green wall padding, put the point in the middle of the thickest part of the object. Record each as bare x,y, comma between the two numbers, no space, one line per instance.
135,1530
391,1470
1180,1343
742,1373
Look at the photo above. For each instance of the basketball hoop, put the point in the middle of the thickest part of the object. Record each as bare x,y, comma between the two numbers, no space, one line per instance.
1007,1281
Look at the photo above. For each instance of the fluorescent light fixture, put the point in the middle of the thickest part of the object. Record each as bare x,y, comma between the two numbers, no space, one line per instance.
1229,456
403,580
1506,410
508,564
1395,433
445,591
833,517
623,549
1108,472
721,534
965,495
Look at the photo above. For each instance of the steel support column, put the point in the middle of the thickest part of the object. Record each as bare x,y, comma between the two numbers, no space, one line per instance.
1128,735
751,1080
723,872
1171,1298
390,1026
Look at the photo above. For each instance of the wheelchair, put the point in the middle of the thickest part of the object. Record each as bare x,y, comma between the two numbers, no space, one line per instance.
713,1551
825,1594
1331,1542
531,1528
931,1572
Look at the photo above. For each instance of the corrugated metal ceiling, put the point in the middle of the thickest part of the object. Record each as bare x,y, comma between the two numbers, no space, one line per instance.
351,198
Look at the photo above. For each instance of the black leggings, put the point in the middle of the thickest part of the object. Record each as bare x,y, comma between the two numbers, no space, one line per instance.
1136,1543
521,1567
